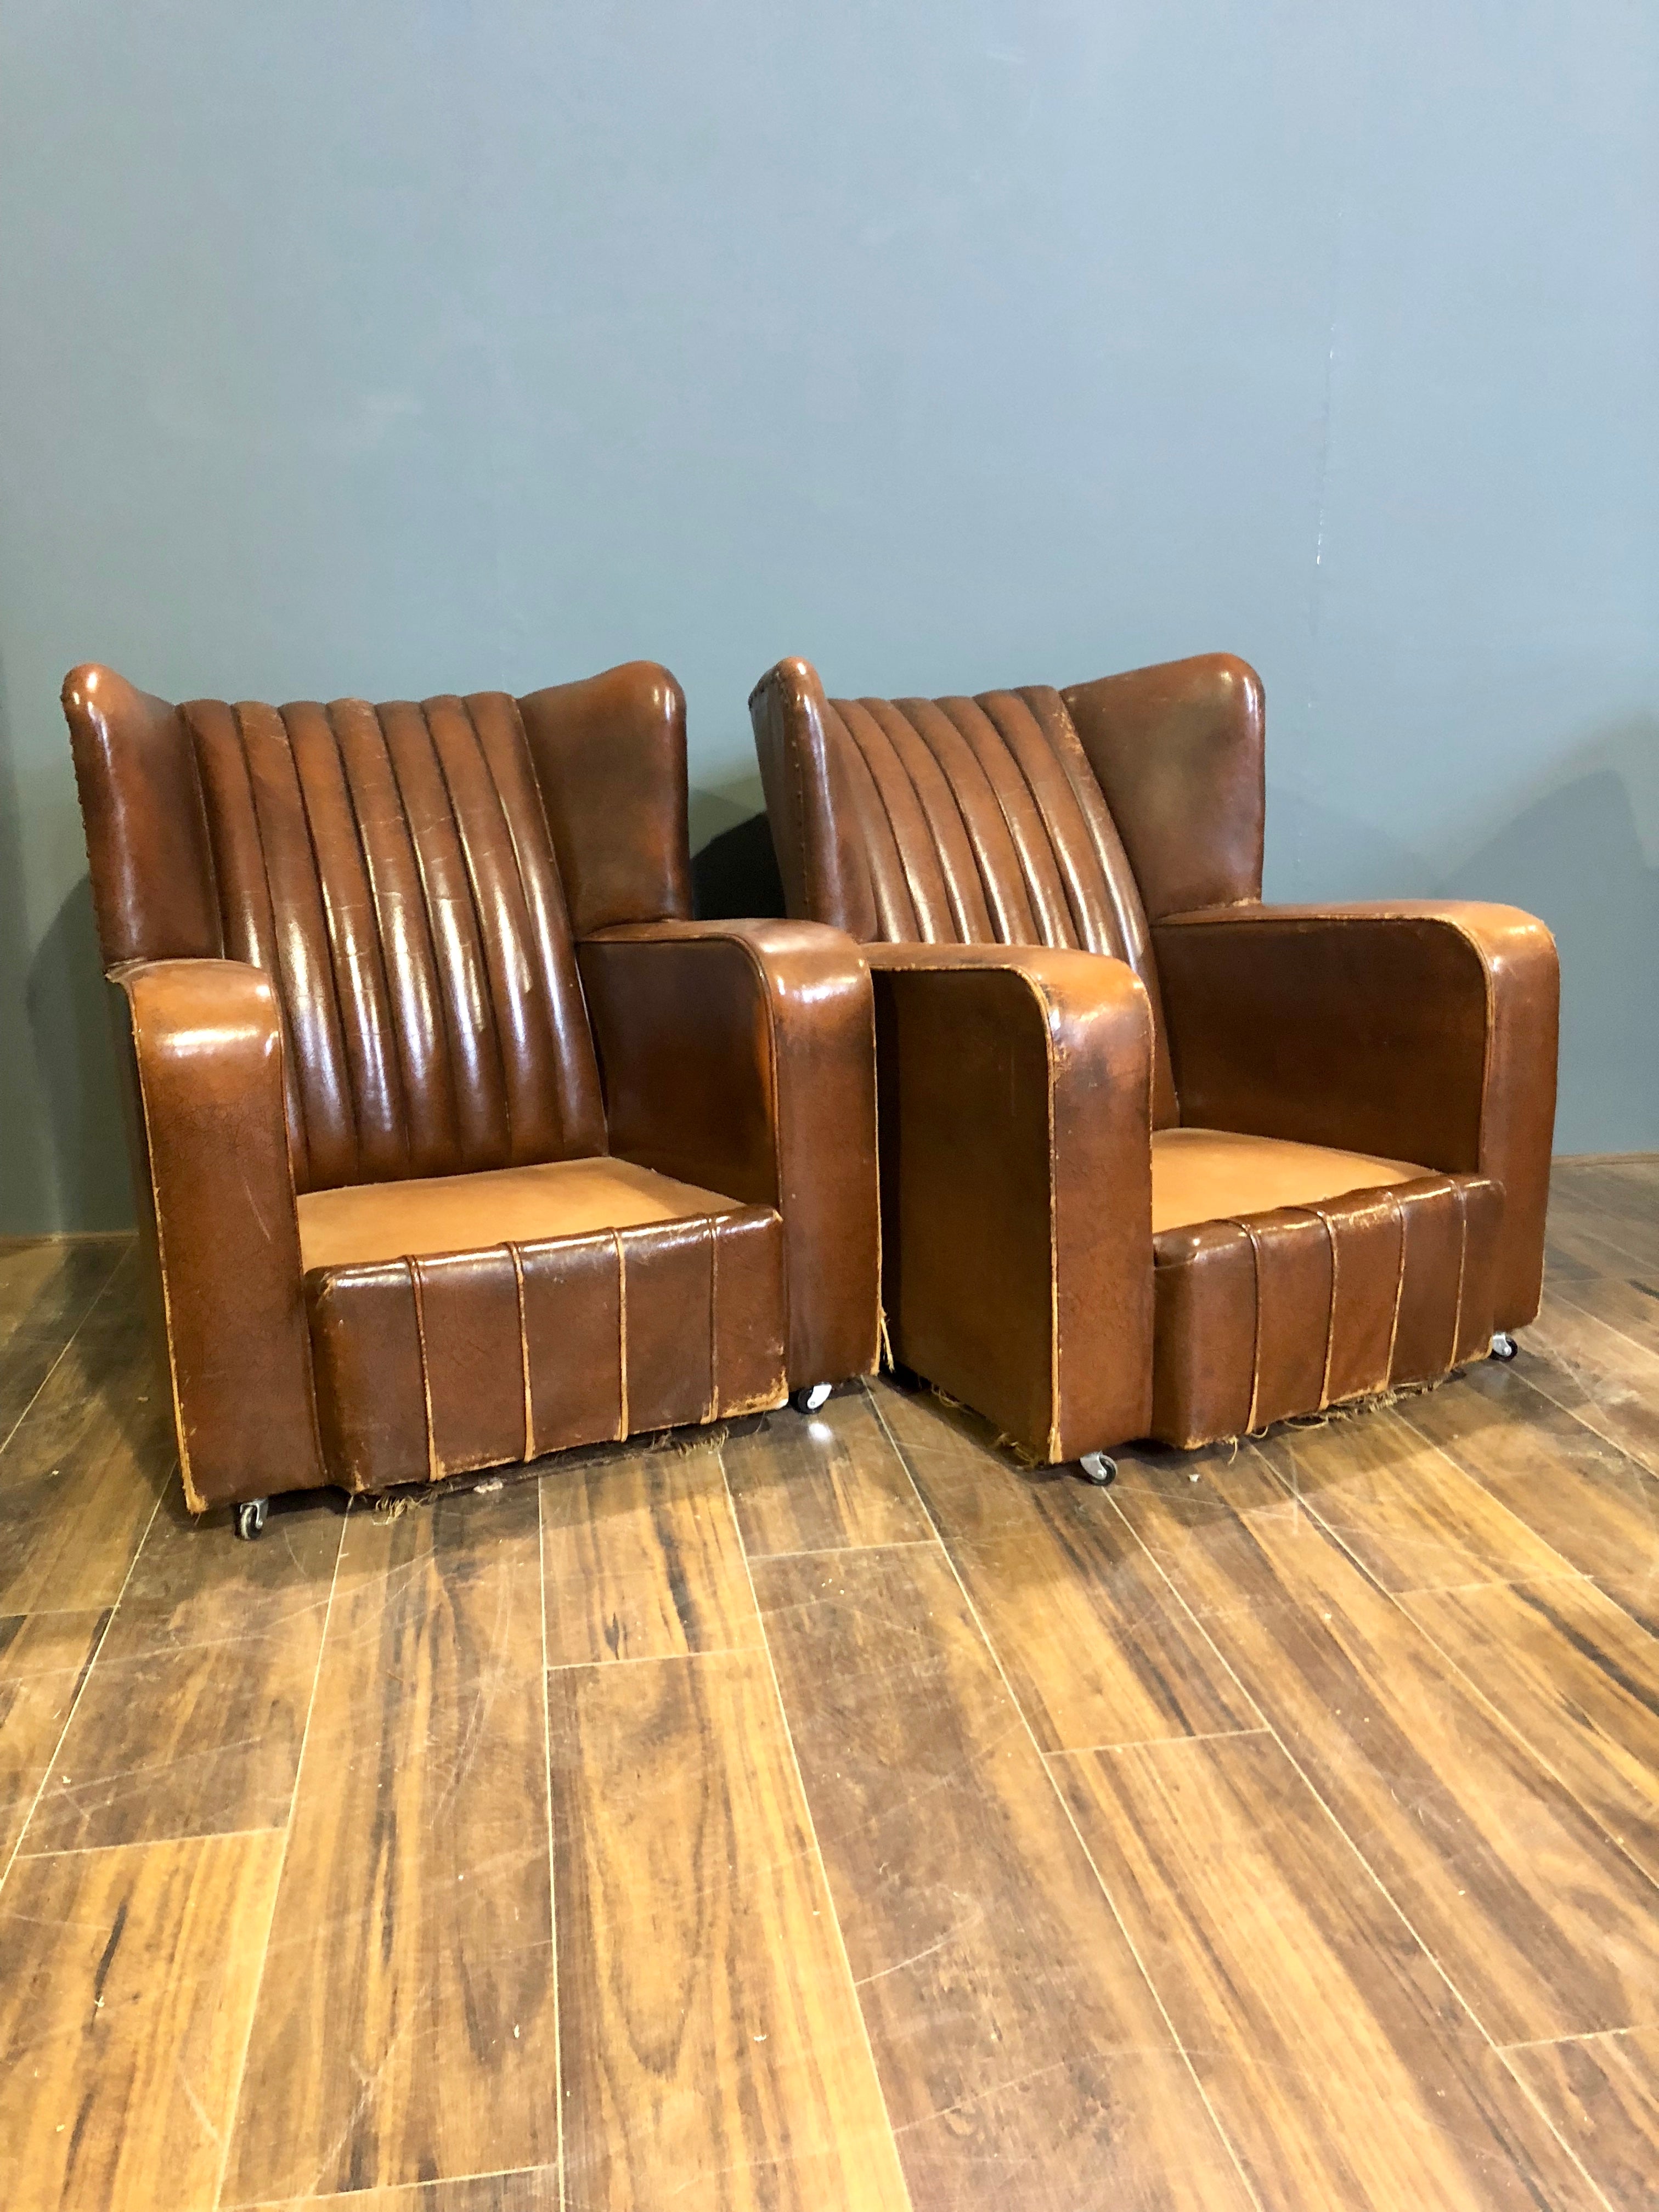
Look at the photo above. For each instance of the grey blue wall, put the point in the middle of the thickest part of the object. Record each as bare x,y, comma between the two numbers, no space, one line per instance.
390,348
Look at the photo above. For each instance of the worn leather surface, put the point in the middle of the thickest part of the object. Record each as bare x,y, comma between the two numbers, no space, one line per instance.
1126,817
739,1056
1211,1175
610,754
949,822
202,1041
1290,1311
1179,753
358,1020
446,1362
373,1221
1418,1031
1016,1115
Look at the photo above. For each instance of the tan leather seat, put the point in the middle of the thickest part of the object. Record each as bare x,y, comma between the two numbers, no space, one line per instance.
456,1140
464,1321
1157,1158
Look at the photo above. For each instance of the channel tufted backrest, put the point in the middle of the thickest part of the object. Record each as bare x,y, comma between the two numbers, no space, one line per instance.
951,821
392,869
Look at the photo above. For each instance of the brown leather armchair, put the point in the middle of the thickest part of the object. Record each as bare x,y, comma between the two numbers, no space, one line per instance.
1157,1159
455,1139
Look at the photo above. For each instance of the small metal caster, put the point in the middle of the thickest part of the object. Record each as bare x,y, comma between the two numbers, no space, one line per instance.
810,1397
1504,1346
251,1518
1097,1467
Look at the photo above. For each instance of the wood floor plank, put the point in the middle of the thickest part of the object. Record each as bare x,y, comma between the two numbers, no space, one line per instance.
1610,1382
537,2192
1342,2068
81,1474
1575,1675
43,1661
1638,1594
641,1558
1564,1263
1412,1520
190,1723
1621,1217
1022,2053
712,2051
1603,2095
405,2028
1543,1925
46,1293
126,1980
1590,1501
1094,1650
821,1483
1628,1303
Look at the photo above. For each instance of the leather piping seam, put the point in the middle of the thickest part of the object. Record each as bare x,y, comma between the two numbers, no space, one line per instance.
276,971
713,1412
1398,1291
557,1054
393,1058
995,907
192,1497
1059,843
622,1337
901,768
433,1471
348,1088
1016,844
1045,1012
903,873
1330,1324
1035,895
957,904
194,751
1255,1347
1119,919
1462,1261
444,1026
517,1259
465,845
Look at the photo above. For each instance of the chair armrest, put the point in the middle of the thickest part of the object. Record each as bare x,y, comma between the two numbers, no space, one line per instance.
739,1055
1015,1090
1424,1031
201,1045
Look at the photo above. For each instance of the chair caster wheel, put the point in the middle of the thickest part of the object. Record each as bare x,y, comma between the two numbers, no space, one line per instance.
251,1518
810,1397
1097,1467
1504,1346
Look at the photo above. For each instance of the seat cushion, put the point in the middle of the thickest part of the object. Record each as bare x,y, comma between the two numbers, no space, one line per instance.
1289,1278
463,1322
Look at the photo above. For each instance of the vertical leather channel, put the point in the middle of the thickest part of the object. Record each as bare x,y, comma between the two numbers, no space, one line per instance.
1288,1312
392,870
982,823
952,821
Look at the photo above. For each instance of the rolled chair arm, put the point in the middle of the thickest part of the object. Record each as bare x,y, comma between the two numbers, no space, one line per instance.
1421,1031
739,1055
1016,1127
201,1045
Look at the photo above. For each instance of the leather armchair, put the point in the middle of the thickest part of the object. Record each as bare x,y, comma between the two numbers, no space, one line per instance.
456,1141
1157,1158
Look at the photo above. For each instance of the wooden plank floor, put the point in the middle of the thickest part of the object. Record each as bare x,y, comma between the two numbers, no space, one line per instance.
830,1814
